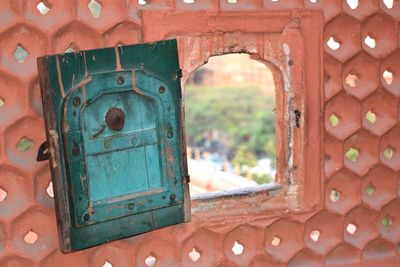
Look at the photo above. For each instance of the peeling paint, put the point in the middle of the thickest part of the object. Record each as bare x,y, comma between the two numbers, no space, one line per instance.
59,75
290,107
53,146
117,60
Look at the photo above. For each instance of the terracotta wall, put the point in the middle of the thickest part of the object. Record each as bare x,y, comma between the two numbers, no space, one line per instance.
355,223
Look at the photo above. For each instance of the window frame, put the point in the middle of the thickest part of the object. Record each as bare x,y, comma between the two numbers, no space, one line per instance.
278,39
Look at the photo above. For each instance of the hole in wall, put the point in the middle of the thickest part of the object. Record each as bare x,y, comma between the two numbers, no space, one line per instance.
370,41
353,4
334,120
314,235
351,80
351,228
388,153
370,189
3,194
276,241
150,261
388,77
194,255
352,154
335,195
189,1
370,116
95,8
232,1
49,190
43,7
31,237
230,124
2,102
387,221
24,144
71,48
333,43
20,54
388,3
107,264
237,248
314,1
142,2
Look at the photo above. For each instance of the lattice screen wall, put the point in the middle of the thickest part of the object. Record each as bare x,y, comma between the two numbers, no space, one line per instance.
360,224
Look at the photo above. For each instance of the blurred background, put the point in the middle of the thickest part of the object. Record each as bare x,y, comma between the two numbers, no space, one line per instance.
230,124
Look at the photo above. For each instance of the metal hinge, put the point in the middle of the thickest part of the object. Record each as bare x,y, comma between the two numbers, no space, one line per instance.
186,179
177,74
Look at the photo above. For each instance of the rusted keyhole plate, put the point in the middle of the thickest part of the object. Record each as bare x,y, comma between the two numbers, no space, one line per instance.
115,119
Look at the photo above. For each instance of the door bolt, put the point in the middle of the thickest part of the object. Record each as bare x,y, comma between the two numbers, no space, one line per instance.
120,80
170,133
76,101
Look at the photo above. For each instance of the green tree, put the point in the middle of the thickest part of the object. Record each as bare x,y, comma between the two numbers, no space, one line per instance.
244,159
242,113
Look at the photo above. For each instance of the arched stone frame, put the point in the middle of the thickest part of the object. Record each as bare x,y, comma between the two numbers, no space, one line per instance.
291,47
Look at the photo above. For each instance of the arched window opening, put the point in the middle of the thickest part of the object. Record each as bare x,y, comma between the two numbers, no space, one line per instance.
230,124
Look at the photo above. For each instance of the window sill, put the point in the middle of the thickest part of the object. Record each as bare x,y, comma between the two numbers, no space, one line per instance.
243,201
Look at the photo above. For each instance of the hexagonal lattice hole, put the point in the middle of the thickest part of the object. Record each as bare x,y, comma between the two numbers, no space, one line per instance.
35,233
361,75
242,244
367,147
360,9
382,30
22,143
21,45
390,73
389,221
283,244
379,187
342,192
390,149
379,112
323,232
161,250
342,116
200,248
345,31
360,226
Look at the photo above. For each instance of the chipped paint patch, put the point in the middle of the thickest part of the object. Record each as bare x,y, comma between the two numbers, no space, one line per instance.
59,76
53,147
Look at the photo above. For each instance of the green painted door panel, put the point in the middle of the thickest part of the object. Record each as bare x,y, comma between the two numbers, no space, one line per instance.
113,122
